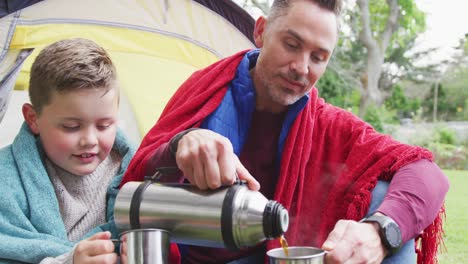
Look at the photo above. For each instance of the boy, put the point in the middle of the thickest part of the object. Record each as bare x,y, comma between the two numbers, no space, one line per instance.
60,175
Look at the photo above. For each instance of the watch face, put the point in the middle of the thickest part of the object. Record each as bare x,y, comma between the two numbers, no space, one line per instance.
393,235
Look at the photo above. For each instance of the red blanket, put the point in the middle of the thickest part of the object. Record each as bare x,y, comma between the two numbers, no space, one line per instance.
330,163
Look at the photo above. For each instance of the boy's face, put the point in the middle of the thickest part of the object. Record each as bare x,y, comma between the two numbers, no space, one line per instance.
77,129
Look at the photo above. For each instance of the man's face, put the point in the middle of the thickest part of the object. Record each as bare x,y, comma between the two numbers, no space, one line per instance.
295,50
77,129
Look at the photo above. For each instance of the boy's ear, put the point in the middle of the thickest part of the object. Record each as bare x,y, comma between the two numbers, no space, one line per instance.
30,116
259,30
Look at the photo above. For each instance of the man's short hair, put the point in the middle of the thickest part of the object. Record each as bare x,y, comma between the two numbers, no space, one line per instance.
280,7
66,65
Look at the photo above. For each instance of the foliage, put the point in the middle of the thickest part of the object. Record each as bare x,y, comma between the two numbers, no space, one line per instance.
462,112
335,90
378,116
445,135
448,104
347,67
255,6
398,63
461,57
456,89
448,153
412,21
398,101
400,56
450,156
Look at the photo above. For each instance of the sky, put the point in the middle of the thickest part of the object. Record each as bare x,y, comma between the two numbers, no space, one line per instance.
446,22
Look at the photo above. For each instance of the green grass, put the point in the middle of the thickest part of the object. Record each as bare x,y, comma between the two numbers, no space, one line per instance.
456,225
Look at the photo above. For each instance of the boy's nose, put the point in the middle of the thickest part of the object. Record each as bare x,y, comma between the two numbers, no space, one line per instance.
88,139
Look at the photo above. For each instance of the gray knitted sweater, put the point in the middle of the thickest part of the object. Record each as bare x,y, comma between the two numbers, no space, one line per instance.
82,199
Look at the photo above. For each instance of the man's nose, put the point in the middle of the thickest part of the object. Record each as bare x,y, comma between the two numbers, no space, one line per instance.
300,64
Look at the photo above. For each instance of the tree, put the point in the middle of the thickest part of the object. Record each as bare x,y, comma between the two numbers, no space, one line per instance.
461,57
385,29
255,6
456,83
372,52
446,104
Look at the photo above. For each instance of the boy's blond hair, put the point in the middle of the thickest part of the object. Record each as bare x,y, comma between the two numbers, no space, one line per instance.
66,65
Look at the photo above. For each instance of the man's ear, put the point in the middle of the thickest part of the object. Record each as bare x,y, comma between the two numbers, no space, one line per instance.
30,116
259,30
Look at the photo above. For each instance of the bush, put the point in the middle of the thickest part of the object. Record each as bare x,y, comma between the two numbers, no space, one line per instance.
449,156
336,91
445,136
378,116
442,143
404,106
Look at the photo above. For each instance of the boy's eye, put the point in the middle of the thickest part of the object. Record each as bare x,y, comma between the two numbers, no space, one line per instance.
103,127
71,127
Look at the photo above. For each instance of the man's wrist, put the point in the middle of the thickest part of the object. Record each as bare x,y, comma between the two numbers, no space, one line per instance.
376,227
388,230
174,143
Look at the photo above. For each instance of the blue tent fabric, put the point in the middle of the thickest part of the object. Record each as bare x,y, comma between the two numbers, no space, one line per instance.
10,6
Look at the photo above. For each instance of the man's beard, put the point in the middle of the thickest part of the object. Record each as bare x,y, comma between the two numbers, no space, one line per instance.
280,95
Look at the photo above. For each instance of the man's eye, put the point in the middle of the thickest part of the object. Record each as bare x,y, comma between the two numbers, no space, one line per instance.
315,58
291,46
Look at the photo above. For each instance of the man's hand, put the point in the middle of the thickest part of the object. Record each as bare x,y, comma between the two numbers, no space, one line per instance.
208,161
95,249
354,242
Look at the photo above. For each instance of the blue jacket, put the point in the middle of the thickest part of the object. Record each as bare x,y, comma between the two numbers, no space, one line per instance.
233,116
31,227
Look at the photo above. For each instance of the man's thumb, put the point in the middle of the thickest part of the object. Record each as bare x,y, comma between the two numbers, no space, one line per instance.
244,174
335,235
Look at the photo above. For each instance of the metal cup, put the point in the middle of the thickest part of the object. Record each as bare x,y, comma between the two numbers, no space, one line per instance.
297,255
141,246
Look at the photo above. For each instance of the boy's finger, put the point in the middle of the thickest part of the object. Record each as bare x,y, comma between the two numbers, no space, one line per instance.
105,258
100,235
99,247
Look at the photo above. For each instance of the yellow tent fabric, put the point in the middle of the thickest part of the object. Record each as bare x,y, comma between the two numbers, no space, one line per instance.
155,46
150,66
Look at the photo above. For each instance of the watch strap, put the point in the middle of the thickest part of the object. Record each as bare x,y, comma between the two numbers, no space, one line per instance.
384,223
174,143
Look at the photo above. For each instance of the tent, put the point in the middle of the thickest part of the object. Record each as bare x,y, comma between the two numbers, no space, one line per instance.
155,45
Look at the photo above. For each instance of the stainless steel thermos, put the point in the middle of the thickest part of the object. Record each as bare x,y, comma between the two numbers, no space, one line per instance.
231,217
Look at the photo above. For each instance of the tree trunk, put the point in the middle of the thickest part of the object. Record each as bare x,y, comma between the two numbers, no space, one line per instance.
434,109
371,94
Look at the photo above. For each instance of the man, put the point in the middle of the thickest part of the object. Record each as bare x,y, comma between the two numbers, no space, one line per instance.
258,113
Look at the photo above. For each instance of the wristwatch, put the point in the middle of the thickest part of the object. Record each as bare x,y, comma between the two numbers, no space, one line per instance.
388,230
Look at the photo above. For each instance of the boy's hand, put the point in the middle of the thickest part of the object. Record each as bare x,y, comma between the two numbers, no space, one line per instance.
95,249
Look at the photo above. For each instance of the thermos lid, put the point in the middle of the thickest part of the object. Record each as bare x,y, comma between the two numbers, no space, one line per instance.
275,220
